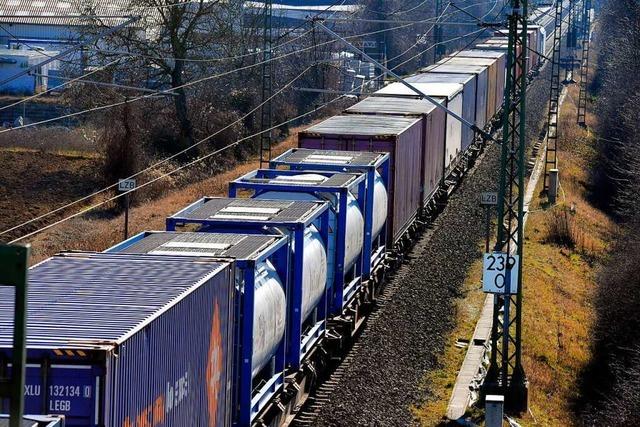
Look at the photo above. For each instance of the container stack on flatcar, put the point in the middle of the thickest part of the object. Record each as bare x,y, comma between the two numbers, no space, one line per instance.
226,318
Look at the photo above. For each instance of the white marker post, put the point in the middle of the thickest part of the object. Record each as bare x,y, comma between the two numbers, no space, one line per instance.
487,200
500,273
126,186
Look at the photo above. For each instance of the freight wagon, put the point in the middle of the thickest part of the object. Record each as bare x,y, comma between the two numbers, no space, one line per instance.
266,301
401,137
471,89
305,223
376,167
433,137
128,340
482,81
346,194
452,96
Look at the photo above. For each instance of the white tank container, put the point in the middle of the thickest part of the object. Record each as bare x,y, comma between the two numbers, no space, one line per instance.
314,271
355,221
380,205
270,311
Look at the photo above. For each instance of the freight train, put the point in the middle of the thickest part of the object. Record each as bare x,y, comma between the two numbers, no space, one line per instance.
227,317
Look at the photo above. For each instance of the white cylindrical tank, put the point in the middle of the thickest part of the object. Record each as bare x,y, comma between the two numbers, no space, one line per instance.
354,233
380,205
314,271
270,311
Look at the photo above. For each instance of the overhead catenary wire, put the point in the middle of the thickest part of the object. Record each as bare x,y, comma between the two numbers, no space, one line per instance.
167,174
175,155
191,83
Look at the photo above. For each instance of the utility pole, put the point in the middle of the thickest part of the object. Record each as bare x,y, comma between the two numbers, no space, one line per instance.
506,374
14,261
439,50
266,111
584,64
551,154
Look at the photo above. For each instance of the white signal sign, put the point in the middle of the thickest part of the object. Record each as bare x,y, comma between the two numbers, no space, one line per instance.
126,185
498,269
489,199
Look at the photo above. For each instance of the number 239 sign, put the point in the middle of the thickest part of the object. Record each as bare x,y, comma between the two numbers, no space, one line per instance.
494,273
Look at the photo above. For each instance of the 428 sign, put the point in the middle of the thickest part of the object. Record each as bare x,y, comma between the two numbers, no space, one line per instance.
500,269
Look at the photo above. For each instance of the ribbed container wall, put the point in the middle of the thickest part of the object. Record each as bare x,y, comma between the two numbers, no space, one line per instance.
493,76
434,152
472,90
177,371
405,152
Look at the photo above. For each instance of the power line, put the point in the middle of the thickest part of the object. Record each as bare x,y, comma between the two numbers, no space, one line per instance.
177,154
165,160
167,174
192,83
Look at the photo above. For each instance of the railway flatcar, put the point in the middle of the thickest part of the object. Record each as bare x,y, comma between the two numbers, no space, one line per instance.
346,194
267,301
305,223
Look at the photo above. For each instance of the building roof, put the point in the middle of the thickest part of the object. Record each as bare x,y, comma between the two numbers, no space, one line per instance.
65,12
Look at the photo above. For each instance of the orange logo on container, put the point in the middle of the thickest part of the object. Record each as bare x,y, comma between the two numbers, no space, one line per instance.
214,367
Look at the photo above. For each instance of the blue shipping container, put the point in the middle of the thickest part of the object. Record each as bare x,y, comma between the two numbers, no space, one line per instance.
127,340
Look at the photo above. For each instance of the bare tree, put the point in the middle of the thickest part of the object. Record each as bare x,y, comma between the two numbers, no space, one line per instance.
174,42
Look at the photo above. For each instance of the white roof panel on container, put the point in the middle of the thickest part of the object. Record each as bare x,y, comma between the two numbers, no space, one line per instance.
98,300
480,53
455,68
361,124
468,61
441,78
445,90
392,105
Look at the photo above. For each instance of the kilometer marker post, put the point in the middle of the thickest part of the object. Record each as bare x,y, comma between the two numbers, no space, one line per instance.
126,186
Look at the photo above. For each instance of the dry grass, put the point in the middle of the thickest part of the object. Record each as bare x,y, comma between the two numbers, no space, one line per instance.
561,246
93,233
559,282
78,142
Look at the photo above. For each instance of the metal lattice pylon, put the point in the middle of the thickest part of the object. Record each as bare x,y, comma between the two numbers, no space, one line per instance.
506,374
440,48
551,156
572,42
584,64
266,112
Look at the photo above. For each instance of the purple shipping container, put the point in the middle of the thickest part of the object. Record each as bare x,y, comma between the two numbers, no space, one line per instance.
401,137
434,124
452,95
469,100
128,340
501,57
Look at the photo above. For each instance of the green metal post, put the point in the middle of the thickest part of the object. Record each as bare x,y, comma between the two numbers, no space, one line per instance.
439,50
13,272
506,375
266,112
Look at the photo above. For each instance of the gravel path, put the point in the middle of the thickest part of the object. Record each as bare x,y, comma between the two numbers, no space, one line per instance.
402,343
